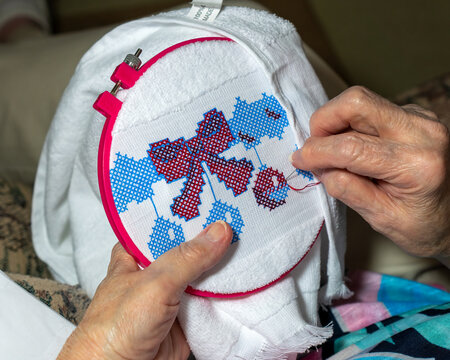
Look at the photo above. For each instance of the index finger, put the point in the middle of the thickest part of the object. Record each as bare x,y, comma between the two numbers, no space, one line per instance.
359,109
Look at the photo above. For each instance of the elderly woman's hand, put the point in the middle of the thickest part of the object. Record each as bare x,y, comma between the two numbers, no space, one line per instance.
133,313
388,163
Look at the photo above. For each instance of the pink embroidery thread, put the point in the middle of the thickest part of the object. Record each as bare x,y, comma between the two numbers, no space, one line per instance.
305,187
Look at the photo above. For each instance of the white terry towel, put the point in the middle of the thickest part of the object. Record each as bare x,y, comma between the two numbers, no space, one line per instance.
70,229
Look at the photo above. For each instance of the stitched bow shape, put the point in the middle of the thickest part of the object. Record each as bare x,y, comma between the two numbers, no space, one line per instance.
183,159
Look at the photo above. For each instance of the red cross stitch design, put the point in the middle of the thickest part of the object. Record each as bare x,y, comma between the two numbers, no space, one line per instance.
272,114
183,159
270,188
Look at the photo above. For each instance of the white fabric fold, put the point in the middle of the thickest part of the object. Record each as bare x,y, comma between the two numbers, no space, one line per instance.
23,318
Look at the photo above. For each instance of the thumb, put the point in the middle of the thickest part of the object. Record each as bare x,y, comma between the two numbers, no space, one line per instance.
185,263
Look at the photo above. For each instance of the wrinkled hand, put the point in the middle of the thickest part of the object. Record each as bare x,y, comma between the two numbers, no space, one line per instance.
133,313
391,164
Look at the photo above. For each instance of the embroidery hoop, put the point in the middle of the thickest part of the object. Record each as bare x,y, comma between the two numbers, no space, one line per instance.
109,106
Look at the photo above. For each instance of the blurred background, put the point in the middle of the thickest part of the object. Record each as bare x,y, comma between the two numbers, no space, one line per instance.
388,46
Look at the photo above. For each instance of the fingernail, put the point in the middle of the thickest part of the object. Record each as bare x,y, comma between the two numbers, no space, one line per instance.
291,159
216,231
295,156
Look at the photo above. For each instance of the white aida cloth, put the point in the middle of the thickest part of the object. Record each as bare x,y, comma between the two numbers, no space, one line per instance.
265,66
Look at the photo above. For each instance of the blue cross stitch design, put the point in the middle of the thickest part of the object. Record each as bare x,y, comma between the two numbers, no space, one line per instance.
165,236
132,180
251,122
220,211
306,174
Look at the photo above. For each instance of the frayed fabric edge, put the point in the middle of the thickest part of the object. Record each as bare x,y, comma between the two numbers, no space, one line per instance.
304,339
339,292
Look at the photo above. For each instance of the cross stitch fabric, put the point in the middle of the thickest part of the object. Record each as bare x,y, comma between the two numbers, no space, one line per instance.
70,229
221,154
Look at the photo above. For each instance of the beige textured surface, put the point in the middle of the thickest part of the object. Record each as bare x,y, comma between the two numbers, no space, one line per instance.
16,250
69,301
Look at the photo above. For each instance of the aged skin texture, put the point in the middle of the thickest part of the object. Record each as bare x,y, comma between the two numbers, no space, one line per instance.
388,163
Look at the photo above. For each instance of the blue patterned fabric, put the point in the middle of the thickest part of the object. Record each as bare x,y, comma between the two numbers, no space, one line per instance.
423,333
402,295
415,322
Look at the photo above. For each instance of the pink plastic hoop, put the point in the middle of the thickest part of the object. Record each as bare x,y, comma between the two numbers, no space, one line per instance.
108,105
